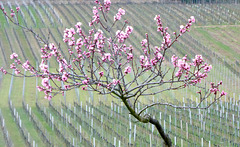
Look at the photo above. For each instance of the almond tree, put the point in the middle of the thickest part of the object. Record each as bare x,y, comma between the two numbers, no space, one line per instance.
101,61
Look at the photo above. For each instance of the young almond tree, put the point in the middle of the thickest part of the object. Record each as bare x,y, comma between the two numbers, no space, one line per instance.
100,60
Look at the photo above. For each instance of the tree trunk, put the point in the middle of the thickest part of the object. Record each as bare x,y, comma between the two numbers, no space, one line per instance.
148,119
166,138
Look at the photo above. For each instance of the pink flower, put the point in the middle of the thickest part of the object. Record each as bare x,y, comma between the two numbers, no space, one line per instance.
85,82
101,73
40,88
99,84
223,93
106,56
182,29
12,14
64,77
192,19
130,56
67,86
207,68
17,71
115,82
78,25
13,55
174,60
159,56
43,67
84,87
3,70
45,82
107,4
26,65
121,11
127,70
119,14
48,97
17,8
129,30
220,83
198,60
167,39
13,66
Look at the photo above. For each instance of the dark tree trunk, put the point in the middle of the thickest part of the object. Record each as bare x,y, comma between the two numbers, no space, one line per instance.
165,137
149,119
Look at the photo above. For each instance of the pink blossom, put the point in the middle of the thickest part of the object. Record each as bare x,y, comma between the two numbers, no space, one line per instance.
207,68
198,60
142,59
17,8
220,83
3,70
101,73
67,86
97,1
107,4
40,88
115,82
85,82
45,82
129,56
48,97
214,90
64,77
13,55
99,84
147,64
192,19
223,93
13,66
119,14
78,25
106,56
174,60
12,14
26,65
129,30
167,39
121,11
159,56
17,71
127,70
182,29
84,87
43,67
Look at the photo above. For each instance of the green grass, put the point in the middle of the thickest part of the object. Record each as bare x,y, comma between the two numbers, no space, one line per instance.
10,123
36,16
228,52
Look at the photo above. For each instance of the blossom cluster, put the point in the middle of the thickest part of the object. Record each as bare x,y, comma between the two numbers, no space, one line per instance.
185,28
99,62
119,15
122,36
107,4
200,68
215,88
12,14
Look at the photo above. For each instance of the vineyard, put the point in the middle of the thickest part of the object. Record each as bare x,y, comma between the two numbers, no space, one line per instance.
81,118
